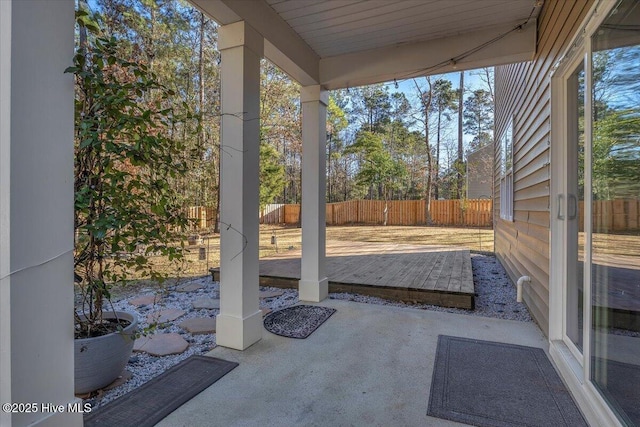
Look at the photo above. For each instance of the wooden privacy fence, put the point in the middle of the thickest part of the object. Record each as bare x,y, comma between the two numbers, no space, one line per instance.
278,213
618,215
465,213
399,212
476,213
612,215
202,217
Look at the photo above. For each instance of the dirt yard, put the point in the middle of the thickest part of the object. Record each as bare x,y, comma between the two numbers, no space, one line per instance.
205,255
290,238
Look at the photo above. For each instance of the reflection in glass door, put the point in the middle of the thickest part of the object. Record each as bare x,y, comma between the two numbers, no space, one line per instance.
598,210
574,216
615,230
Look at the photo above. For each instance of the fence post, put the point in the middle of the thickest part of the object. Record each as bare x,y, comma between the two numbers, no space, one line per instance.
204,218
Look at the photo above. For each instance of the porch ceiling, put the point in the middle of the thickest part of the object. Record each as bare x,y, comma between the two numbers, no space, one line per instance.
338,27
342,43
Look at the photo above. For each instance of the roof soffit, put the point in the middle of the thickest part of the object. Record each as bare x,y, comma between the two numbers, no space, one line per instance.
347,43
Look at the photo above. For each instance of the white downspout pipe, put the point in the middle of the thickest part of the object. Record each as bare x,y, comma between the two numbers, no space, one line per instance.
519,286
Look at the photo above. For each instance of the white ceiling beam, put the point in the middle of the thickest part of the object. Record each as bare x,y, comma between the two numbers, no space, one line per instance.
283,46
418,59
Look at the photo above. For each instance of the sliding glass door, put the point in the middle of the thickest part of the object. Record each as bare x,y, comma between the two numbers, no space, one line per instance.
598,208
615,209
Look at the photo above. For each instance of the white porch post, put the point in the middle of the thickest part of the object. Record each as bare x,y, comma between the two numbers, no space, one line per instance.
313,285
36,211
239,323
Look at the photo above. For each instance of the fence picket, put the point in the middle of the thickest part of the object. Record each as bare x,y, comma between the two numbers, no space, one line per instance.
400,212
477,213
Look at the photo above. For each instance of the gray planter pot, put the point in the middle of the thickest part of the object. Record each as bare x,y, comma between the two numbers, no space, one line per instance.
100,360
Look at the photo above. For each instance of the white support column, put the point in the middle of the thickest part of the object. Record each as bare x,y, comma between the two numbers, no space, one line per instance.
36,211
313,285
239,323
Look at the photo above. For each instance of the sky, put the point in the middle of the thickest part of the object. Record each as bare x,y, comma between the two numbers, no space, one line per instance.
472,82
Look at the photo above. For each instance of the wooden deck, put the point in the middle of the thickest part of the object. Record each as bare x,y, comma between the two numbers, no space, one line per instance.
425,274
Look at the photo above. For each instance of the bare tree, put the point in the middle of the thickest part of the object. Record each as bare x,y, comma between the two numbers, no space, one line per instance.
486,76
444,100
426,98
460,132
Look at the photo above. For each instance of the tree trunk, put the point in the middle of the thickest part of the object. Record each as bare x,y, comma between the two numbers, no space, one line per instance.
217,164
204,191
83,32
428,190
386,212
151,46
429,166
201,74
437,168
329,186
459,162
426,98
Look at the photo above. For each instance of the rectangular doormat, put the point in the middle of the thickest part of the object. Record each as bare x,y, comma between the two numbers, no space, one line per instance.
491,384
154,400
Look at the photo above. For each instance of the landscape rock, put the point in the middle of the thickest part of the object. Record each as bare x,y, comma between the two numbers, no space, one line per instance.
161,344
163,316
200,325
270,294
206,303
145,300
189,287
123,378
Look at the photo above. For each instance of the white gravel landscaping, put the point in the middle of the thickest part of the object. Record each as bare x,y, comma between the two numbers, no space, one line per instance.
143,366
495,297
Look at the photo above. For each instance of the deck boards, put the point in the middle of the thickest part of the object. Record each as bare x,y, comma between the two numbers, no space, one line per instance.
426,274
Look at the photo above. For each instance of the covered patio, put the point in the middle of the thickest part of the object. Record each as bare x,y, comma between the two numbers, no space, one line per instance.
326,45
323,45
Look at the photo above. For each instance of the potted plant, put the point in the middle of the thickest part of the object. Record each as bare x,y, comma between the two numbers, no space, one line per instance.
124,164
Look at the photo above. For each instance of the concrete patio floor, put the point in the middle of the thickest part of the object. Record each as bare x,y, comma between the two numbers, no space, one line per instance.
367,365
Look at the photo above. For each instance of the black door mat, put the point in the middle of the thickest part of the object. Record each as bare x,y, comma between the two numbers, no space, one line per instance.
298,321
490,384
154,400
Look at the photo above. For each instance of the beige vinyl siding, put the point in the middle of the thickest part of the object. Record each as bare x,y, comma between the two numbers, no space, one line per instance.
523,91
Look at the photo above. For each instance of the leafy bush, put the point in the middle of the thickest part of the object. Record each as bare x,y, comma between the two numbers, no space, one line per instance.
125,159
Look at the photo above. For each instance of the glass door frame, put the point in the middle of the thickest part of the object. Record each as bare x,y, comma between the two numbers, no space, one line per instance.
573,365
565,106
